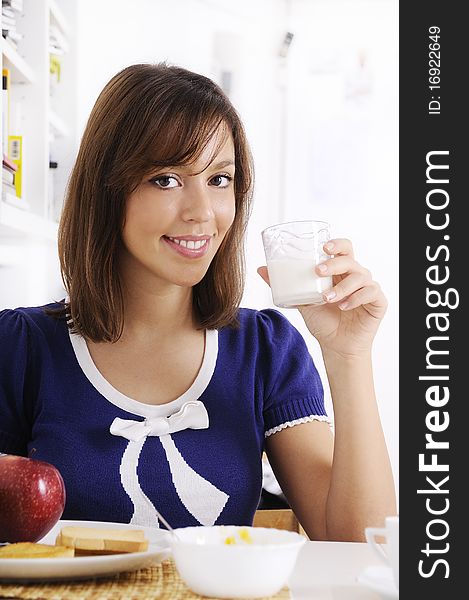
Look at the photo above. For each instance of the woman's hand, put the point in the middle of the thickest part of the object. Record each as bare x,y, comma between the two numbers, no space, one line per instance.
354,307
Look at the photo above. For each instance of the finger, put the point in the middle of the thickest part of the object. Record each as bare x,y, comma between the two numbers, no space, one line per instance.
340,265
370,296
264,274
347,286
341,246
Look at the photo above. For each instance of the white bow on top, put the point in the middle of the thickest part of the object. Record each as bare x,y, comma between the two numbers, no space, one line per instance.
192,415
200,497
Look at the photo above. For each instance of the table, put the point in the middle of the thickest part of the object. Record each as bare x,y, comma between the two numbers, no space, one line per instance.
328,571
324,571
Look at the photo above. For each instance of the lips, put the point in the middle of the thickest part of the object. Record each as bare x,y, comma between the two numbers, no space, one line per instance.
189,246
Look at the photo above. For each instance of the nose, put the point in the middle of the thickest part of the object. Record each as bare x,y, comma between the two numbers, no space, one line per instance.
198,204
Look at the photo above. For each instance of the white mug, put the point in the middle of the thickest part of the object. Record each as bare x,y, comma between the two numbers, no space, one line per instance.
390,555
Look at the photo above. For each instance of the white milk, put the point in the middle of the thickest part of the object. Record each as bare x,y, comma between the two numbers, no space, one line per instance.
294,281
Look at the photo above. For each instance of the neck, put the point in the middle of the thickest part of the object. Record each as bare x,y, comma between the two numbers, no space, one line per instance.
150,312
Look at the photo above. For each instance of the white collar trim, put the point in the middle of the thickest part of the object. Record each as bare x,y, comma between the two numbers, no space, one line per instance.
135,407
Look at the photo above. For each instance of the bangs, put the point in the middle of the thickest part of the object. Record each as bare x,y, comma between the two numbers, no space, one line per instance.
182,135
166,120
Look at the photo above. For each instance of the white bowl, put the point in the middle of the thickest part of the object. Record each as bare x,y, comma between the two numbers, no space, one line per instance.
210,567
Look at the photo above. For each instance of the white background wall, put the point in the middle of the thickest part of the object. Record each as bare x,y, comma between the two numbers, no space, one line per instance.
322,124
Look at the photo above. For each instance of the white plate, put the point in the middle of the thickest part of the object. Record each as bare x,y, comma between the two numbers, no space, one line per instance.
83,567
380,580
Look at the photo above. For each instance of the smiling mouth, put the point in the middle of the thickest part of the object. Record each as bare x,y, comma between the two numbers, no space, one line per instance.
191,244
188,247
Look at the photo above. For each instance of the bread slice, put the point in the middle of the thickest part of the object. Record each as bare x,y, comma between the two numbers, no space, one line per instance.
33,550
92,540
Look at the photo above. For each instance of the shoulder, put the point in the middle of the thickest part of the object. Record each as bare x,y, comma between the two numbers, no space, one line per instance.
267,317
264,332
269,324
26,321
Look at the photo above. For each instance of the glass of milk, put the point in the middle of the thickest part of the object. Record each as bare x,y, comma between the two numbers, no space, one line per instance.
292,251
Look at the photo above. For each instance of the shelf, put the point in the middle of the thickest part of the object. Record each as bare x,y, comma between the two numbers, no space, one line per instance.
21,72
18,223
43,113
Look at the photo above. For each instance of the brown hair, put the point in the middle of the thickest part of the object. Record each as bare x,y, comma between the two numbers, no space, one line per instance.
147,116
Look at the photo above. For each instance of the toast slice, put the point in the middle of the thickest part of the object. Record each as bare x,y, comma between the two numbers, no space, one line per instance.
33,550
92,540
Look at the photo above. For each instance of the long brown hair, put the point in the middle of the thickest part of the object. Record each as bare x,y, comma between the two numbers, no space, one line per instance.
147,116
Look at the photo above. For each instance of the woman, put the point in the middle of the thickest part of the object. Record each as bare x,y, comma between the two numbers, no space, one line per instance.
148,386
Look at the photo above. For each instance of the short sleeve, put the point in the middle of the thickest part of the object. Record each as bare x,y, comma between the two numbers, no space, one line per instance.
15,383
293,391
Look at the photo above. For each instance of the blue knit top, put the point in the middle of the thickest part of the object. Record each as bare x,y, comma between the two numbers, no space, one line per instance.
197,459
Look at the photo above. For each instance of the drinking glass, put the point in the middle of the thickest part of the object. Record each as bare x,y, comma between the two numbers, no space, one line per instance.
292,251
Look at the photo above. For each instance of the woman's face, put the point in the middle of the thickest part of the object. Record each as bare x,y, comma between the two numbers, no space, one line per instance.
177,218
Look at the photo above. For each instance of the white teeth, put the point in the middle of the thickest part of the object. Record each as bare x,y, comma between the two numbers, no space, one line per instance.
192,245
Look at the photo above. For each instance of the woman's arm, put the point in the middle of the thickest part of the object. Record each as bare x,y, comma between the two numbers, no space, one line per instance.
301,458
361,492
338,487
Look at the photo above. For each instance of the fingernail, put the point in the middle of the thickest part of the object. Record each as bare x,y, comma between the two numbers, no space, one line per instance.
322,268
330,295
343,305
329,246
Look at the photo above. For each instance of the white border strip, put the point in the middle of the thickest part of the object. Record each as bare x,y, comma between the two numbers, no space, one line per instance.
297,422
135,407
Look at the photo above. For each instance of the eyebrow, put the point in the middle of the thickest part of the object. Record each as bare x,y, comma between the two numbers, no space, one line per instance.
219,165
222,164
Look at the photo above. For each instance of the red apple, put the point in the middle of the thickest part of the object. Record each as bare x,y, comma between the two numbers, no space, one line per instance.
32,498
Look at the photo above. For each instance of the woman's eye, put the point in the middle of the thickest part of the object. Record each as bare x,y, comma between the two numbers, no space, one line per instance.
165,181
221,181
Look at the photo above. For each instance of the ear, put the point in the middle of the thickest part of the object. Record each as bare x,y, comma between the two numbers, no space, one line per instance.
264,274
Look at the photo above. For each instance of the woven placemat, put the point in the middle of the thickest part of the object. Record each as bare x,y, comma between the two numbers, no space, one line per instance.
161,582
